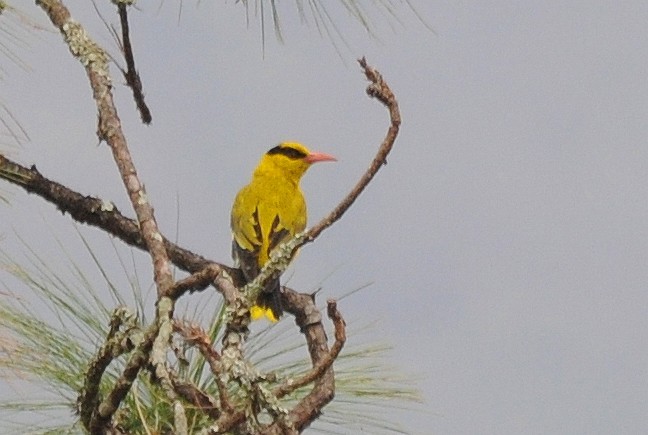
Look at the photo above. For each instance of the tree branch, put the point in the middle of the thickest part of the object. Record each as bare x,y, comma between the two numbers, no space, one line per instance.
325,361
130,74
378,89
98,213
123,336
95,62
107,408
195,336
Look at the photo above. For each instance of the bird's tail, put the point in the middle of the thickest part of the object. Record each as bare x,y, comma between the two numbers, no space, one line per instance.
268,303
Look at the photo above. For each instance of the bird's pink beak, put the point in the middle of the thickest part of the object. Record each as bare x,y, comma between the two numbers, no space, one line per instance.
319,157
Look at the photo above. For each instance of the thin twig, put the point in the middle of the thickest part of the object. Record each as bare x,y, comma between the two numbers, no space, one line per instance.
107,408
282,255
378,89
197,397
324,363
195,282
196,336
308,319
123,336
131,74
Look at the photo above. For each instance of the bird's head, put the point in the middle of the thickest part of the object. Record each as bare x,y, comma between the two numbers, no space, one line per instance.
292,159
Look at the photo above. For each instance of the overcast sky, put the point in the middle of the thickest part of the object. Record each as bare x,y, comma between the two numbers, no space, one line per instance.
507,238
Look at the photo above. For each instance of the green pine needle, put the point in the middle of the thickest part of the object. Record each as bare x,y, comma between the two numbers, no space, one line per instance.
53,319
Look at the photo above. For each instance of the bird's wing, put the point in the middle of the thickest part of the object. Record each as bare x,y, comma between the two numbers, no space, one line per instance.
246,233
262,219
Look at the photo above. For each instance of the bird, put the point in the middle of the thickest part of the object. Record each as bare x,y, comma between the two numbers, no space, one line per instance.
268,211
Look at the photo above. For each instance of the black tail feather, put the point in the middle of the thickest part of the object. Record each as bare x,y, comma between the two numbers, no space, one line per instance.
270,298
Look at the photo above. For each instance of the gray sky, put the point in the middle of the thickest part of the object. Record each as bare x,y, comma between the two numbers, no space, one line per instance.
507,238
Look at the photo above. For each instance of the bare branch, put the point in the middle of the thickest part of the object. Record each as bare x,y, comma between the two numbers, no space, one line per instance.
95,61
97,212
325,362
308,319
195,336
196,397
158,358
378,89
107,408
281,257
123,336
131,74
197,281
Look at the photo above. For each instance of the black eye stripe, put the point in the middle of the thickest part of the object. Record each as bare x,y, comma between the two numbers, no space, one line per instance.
289,152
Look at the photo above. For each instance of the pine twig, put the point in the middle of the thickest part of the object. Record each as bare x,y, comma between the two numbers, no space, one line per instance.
325,362
196,336
131,74
123,336
283,255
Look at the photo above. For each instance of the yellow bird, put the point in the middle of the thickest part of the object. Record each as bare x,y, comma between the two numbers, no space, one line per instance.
267,212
